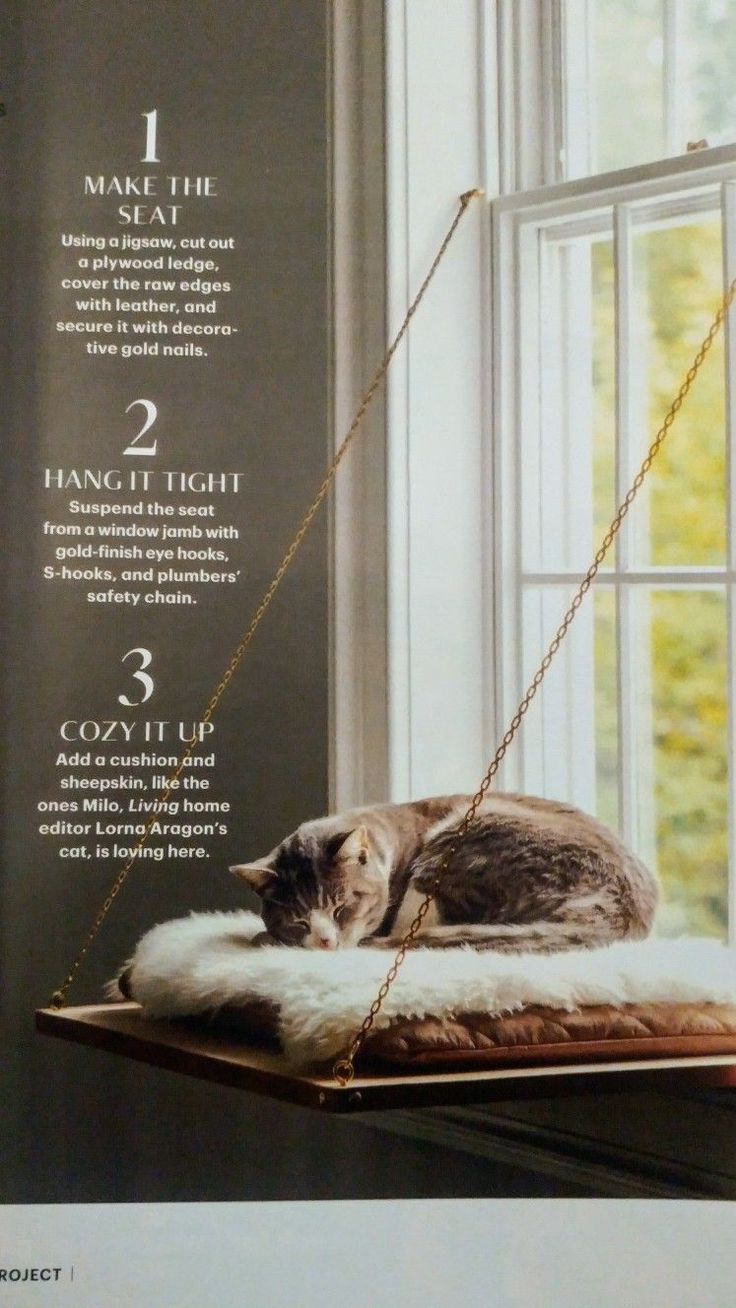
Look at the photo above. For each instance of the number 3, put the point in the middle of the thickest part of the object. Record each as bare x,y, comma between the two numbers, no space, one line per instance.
143,677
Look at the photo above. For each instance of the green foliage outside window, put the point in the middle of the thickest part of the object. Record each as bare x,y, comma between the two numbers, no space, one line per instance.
682,652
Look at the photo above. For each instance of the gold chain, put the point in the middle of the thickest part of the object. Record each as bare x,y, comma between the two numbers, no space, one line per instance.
344,1069
58,998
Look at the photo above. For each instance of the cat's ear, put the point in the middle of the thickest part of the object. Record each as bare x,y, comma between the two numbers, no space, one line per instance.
257,875
353,847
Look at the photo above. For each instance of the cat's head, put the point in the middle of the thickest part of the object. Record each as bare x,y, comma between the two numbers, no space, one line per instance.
319,891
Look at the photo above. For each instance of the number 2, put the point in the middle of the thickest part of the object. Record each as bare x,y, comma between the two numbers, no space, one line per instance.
151,416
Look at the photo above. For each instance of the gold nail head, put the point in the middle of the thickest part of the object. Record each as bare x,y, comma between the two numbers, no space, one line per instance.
343,1071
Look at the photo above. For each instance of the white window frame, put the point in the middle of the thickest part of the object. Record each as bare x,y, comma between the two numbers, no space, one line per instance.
409,710
678,187
422,566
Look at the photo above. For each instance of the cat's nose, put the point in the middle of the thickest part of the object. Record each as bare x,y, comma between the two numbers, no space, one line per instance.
326,943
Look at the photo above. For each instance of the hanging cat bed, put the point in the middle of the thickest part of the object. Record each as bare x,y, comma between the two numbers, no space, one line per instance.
310,1002
449,1027
457,1025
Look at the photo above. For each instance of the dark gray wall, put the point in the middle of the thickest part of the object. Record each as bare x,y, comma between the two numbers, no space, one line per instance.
241,90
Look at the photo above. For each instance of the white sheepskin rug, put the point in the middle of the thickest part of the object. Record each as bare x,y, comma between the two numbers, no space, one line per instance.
200,963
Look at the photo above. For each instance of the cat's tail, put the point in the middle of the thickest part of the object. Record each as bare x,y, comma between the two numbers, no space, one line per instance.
508,938
120,986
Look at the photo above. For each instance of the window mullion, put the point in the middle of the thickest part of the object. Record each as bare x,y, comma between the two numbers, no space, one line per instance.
577,88
623,266
728,228
553,83
531,271
529,110
577,513
674,81
625,653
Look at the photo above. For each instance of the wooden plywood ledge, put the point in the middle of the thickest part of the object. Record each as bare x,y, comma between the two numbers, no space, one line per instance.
226,1060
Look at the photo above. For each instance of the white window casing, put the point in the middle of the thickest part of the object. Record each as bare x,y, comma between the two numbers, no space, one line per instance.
428,602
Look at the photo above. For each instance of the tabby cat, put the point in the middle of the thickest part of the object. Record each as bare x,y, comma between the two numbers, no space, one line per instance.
530,874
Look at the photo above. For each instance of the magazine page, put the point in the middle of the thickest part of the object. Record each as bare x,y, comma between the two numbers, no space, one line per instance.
353,944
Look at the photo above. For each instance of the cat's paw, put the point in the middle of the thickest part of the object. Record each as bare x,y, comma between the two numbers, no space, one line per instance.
263,938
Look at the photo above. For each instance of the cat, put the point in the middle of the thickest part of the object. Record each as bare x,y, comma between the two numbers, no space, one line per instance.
530,874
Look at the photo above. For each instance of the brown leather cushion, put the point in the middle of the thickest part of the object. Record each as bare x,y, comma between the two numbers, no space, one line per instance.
534,1035
548,1035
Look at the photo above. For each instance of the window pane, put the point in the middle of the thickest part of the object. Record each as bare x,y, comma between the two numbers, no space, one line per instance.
687,640
674,743
709,59
646,78
574,719
568,479
680,517
569,455
628,86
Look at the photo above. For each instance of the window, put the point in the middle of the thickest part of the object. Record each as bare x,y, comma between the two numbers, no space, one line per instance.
603,288
655,76
520,409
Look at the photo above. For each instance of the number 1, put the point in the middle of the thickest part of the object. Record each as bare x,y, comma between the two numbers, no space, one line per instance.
151,125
